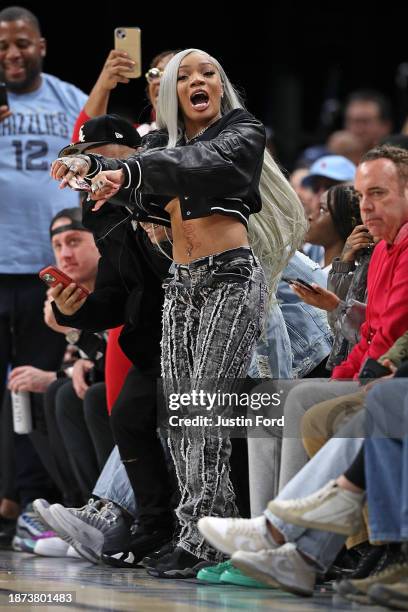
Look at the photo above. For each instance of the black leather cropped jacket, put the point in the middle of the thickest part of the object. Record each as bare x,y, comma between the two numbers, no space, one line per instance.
216,173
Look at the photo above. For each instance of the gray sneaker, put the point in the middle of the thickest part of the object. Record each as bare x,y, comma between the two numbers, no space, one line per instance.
43,509
96,526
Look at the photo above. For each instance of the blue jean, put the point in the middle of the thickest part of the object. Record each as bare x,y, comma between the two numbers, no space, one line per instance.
213,315
329,463
386,460
113,484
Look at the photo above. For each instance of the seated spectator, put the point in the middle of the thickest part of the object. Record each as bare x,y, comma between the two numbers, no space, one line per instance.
384,210
380,468
275,552
76,255
326,172
347,284
338,215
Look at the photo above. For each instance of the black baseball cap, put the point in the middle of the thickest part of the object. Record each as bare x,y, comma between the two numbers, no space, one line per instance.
106,129
75,221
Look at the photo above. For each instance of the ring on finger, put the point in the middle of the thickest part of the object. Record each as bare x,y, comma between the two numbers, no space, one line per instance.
97,186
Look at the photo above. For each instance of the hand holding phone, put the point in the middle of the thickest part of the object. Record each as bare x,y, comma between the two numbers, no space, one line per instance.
52,276
299,281
314,296
128,40
372,369
4,105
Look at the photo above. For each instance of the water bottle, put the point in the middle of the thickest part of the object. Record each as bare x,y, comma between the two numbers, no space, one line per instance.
22,420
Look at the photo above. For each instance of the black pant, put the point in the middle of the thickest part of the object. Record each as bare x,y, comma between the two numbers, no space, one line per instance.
25,477
133,422
63,475
87,450
356,473
24,340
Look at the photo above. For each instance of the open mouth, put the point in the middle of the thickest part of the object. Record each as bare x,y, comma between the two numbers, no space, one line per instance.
200,100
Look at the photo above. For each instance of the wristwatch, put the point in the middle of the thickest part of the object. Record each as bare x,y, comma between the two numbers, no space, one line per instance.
73,336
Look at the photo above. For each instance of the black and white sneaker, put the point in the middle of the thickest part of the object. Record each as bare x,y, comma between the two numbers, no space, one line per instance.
178,564
142,542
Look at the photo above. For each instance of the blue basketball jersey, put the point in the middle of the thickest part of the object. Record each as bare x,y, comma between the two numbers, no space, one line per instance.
41,124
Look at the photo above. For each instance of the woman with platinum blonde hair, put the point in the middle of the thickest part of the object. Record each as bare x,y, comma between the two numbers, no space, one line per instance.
206,174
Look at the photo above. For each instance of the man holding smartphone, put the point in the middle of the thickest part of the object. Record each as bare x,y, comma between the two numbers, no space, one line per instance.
35,124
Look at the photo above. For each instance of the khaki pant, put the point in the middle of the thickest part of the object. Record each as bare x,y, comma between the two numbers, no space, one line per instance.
321,422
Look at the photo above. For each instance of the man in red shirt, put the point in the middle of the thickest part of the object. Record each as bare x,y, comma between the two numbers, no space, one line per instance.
382,183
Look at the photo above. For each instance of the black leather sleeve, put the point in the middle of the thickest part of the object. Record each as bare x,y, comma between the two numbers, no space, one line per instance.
229,160
222,166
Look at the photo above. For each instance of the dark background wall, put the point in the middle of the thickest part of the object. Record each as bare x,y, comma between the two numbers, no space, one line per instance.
292,59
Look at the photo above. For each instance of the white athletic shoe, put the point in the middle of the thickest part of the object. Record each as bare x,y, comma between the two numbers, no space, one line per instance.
232,534
72,553
51,547
331,508
281,567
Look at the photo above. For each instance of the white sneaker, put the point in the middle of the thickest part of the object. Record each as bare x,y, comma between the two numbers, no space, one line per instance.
281,567
331,508
51,547
72,553
232,534
42,509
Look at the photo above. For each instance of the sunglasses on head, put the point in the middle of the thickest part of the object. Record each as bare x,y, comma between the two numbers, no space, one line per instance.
153,74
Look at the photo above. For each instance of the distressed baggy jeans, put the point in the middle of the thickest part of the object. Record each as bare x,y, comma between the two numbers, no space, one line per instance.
213,315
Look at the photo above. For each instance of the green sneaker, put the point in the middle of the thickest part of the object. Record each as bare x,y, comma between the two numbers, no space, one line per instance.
233,575
212,573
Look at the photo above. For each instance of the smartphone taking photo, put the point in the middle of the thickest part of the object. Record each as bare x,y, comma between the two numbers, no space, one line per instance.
129,40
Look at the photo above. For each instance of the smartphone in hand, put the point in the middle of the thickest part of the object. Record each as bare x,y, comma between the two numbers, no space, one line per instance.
52,276
372,369
128,39
299,281
3,95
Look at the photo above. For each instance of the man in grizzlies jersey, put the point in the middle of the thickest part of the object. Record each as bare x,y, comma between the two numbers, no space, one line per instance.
36,123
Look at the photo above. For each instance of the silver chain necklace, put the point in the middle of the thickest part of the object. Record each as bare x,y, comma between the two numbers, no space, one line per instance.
195,135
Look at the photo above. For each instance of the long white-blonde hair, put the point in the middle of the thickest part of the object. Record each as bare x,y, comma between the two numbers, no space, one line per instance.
279,228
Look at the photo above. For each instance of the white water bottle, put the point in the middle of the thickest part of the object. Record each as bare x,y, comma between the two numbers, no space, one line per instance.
21,404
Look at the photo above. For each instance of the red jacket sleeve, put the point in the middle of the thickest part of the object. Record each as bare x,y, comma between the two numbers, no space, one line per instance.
393,324
82,117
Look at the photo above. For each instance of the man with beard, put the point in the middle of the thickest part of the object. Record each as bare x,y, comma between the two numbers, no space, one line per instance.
34,126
